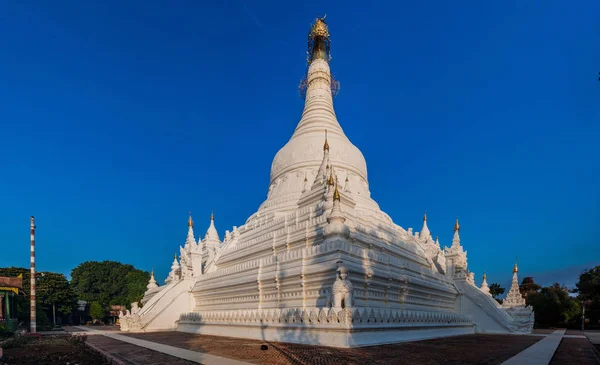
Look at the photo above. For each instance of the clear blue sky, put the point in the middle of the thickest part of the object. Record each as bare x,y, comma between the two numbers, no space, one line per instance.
117,118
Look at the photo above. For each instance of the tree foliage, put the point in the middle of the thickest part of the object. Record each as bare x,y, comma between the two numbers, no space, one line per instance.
53,288
50,288
588,288
97,311
553,306
109,282
496,290
528,286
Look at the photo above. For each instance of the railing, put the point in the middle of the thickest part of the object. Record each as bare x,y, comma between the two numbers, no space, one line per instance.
10,324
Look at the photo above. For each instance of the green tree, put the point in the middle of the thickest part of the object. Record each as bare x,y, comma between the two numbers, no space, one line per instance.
97,311
496,290
55,293
109,282
528,286
588,288
554,306
51,288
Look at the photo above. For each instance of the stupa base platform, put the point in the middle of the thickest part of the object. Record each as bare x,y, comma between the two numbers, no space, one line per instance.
328,327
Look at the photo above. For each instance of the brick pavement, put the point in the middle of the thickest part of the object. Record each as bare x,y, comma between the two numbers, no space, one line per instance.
129,354
460,350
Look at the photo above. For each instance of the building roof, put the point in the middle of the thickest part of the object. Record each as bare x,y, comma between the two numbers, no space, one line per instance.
11,284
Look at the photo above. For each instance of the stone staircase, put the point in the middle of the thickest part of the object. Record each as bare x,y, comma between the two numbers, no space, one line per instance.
487,314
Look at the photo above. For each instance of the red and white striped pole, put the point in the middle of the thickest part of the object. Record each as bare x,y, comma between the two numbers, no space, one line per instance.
32,280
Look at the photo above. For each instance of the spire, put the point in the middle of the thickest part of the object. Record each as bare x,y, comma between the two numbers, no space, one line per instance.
336,227
514,297
516,267
425,234
190,240
484,285
212,236
456,226
330,181
318,41
347,188
305,186
324,169
152,282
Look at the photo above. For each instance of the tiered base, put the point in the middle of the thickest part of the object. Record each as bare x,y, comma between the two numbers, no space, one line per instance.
327,327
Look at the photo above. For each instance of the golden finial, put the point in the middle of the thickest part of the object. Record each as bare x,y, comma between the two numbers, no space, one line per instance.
336,194
190,221
425,216
319,28
330,181
175,256
484,276
456,226
516,267
212,215
326,145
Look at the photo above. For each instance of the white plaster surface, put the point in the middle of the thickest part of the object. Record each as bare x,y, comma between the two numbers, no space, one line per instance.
275,275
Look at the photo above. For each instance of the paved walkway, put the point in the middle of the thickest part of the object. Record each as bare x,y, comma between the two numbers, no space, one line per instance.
194,356
539,353
593,336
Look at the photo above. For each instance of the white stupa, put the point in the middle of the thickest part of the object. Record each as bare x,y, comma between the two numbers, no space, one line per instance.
319,262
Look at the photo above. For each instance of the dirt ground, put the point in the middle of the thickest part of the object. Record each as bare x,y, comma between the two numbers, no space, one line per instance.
460,350
52,350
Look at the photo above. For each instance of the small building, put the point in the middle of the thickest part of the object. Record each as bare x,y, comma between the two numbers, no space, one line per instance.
9,289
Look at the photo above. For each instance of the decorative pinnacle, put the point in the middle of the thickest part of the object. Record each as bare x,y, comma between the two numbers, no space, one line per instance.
175,256
425,216
484,276
190,221
456,226
336,194
516,267
330,181
326,145
212,215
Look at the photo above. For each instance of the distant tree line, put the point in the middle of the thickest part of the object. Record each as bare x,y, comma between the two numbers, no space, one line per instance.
556,305
101,284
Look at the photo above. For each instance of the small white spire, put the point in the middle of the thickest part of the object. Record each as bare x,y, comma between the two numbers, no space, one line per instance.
190,240
425,234
484,285
305,186
347,188
456,238
323,172
152,282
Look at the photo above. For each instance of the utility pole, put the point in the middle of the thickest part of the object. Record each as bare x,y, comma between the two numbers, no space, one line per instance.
32,280
583,315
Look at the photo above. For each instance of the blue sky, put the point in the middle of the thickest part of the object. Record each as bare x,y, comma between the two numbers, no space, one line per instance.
117,118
